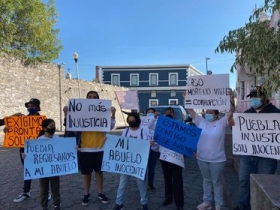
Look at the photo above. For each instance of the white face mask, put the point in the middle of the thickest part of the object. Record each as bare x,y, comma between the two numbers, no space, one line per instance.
150,114
209,117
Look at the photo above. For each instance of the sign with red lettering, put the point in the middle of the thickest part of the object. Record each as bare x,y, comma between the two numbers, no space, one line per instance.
20,128
256,134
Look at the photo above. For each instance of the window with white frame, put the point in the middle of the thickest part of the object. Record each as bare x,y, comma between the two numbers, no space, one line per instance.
153,93
115,79
173,101
153,102
173,78
134,79
153,79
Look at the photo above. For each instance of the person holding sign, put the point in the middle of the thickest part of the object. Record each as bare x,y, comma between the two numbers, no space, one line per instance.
210,154
91,154
134,131
173,178
33,108
252,164
48,130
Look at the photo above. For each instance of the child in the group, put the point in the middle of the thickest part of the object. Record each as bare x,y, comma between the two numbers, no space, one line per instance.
48,130
134,131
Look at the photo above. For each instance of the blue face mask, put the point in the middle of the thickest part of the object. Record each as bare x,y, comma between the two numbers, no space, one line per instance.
150,114
32,110
209,117
255,102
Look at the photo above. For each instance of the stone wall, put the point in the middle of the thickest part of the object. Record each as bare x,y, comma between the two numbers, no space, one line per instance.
19,83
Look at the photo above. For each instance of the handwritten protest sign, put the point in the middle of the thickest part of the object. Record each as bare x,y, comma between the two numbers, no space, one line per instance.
126,156
128,99
144,124
256,135
89,115
50,157
176,136
172,157
21,128
208,92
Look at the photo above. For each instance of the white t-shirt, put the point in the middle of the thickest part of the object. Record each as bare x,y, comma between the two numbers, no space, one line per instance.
136,134
210,147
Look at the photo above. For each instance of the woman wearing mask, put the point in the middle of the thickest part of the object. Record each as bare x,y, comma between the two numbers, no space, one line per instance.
133,131
154,153
210,154
173,177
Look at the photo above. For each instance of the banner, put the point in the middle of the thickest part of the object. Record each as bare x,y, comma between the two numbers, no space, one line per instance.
50,157
144,124
126,156
89,115
128,99
256,134
208,92
20,128
176,136
172,157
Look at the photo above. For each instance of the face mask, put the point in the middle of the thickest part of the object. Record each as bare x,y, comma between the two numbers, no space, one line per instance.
209,117
32,110
150,114
255,102
51,130
133,124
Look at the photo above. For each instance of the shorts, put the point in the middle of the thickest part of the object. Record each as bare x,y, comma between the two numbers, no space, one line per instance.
90,161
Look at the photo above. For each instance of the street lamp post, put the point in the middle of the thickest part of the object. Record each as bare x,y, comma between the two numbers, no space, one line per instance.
76,56
206,59
59,87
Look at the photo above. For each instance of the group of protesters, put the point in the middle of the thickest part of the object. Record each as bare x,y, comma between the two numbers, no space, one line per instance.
210,155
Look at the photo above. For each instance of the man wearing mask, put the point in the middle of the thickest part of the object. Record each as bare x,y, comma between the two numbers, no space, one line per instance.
251,164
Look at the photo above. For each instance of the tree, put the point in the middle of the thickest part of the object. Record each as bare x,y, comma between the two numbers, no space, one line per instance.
27,30
257,46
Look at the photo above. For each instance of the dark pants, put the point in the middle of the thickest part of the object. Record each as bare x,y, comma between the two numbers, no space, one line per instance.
153,157
44,190
173,182
26,183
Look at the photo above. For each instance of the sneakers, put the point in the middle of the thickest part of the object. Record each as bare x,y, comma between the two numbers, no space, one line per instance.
204,206
22,197
56,207
103,198
144,207
85,200
218,207
151,187
118,207
49,196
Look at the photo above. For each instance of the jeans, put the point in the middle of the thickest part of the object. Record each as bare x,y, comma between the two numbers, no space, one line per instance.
252,165
153,157
212,181
122,185
173,182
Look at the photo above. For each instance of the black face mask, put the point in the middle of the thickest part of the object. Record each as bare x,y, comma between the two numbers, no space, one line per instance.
169,115
51,130
133,124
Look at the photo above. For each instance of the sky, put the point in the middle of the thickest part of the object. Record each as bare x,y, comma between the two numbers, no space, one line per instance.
148,32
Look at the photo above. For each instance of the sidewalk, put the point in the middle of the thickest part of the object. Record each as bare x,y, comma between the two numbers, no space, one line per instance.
72,188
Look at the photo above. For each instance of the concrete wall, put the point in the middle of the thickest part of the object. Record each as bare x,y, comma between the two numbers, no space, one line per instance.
19,83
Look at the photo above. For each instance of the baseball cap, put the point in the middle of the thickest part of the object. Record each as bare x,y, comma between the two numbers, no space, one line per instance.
257,92
35,102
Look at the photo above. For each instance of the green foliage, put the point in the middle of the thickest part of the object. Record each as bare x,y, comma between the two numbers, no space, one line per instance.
257,46
27,30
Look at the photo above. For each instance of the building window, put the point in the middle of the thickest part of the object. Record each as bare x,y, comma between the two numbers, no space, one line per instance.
173,101
153,79
153,102
242,90
115,79
173,93
134,79
173,78
153,93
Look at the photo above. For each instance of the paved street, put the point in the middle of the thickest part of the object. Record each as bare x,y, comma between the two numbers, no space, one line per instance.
72,188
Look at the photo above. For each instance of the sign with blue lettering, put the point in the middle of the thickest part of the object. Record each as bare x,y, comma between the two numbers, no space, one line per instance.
89,115
176,136
50,157
208,92
126,156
